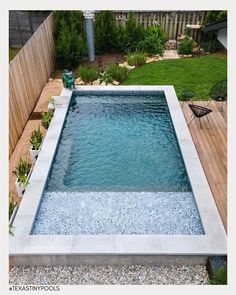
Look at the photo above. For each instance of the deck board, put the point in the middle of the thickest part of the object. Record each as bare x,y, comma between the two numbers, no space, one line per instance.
211,145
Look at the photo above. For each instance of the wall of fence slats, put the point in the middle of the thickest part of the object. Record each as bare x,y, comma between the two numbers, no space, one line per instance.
28,73
172,22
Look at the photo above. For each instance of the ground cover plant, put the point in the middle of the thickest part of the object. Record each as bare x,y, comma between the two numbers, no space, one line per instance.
89,73
198,74
117,73
219,276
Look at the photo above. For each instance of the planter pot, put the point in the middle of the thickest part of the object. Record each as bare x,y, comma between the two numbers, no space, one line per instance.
13,215
34,153
51,106
20,188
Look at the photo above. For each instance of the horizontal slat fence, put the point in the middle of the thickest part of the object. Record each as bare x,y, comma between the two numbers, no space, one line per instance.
28,73
172,22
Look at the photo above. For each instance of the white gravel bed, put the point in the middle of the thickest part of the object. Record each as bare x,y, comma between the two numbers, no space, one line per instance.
109,275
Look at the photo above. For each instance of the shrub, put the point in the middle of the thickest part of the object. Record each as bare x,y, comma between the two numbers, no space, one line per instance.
134,33
36,139
46,119
219,276
105,32
70,46
187,31
88,73
214,16
117,73
212,46
105,77
136,58
121,39
22,170
153,42
186,46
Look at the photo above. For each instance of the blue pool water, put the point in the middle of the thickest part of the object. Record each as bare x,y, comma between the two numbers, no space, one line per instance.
118,169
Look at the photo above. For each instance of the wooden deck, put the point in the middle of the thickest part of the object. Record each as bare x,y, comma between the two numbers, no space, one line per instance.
211,144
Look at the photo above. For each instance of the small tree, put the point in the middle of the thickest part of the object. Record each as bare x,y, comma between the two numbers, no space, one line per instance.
70,45
105,33
134,33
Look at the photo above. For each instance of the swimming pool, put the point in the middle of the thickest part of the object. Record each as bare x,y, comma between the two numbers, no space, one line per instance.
139,239
118,169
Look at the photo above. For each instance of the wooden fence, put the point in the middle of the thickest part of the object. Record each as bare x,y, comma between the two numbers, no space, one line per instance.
172,22
28,73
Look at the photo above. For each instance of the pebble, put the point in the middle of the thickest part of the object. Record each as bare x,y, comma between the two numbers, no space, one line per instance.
109,275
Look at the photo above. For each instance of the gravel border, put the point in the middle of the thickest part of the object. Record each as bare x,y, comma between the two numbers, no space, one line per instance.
109,275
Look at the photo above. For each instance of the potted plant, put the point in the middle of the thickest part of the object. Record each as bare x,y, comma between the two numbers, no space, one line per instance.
46,118
22,172
52,103
12,210
36,142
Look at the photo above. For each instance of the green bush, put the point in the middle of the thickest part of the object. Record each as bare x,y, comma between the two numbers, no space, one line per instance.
213,16
186,46
105,77
212,46
137,58
153,42
105,32
70,46
187,31
219,276
117,73
89,73
134,33
121,39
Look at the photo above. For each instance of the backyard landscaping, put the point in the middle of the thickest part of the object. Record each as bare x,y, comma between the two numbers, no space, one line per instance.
85,155
198,74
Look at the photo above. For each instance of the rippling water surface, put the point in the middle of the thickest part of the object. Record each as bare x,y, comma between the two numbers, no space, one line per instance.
118,143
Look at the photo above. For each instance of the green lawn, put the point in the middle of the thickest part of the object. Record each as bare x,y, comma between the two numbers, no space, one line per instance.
198,74
13,52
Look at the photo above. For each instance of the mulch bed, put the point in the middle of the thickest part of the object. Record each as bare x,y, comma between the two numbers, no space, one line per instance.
102,61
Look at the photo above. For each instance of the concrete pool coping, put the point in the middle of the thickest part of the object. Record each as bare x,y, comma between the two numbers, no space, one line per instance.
26,249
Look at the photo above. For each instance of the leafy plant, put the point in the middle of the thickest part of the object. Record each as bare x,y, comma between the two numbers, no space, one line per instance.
136,58
11,207
105,32
212,46
46,119
186,46
52,101
36,139
153,42
187,31
22,170
70,45
117,73
105,77
88,73
219,276
213,16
